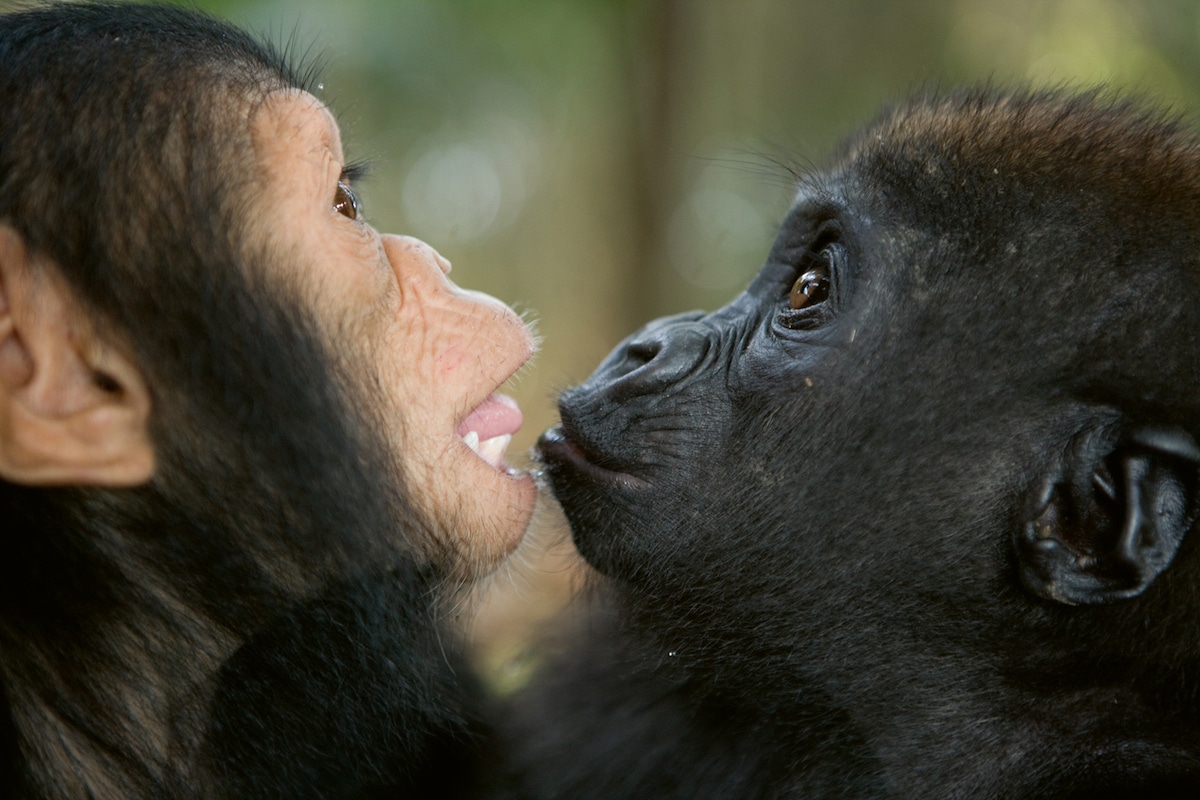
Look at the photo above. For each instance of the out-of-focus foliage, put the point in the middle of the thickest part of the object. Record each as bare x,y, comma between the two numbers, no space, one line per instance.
600,162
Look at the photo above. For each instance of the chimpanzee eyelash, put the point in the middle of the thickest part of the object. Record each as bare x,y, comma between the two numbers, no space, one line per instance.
356,171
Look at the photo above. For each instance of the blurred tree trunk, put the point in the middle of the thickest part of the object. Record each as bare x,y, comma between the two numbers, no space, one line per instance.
656,75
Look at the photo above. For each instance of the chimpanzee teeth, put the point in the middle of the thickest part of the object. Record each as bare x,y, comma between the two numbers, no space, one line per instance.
490,450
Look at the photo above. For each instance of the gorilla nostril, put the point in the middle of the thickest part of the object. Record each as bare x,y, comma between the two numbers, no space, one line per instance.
653,362
662,352
642,352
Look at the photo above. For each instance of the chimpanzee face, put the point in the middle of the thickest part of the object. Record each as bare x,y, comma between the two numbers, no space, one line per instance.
431,354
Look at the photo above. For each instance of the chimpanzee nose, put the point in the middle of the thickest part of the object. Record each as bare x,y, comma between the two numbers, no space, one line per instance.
659,355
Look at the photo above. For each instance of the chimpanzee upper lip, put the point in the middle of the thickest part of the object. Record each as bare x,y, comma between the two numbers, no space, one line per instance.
556,447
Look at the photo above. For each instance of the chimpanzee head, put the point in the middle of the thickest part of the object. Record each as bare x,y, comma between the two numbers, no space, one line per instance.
210,304
249,444
956,412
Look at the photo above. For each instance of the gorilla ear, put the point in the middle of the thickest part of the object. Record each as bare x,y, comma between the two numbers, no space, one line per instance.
1106,525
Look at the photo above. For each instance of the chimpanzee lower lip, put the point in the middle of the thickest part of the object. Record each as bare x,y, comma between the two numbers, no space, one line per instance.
555,448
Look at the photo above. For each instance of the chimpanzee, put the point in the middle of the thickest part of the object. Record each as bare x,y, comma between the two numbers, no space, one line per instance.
237,486
914,516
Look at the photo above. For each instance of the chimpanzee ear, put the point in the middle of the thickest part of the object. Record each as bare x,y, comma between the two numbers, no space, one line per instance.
74,409
1106,525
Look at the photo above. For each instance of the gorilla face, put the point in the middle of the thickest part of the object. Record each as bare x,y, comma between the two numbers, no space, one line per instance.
946,398
807,426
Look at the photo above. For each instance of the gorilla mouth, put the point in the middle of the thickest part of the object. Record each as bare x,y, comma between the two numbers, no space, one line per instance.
556,448
489,428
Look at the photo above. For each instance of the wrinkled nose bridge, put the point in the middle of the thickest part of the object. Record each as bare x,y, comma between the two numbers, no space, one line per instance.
413,259
659,355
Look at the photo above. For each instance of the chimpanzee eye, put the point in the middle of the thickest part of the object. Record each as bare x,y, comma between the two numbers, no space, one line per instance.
345,201
809,289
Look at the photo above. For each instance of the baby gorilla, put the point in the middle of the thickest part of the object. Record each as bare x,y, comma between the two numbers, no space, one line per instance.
909,517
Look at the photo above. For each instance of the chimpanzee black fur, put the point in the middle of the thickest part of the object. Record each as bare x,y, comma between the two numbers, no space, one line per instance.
250,623
913,516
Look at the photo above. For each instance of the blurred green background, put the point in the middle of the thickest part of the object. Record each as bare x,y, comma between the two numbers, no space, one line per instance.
596,163
601,162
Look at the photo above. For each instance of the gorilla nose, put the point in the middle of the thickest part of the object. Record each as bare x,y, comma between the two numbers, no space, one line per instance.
659,355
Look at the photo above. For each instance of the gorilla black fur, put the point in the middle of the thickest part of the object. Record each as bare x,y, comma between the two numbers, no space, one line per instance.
254,622
914,515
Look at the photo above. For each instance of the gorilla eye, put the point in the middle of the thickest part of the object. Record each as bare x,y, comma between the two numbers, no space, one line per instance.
811,299
809,289
345,201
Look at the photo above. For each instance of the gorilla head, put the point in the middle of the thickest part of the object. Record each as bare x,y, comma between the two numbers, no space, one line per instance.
932,474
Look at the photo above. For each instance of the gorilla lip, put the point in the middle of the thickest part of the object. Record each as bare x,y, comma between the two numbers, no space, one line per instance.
556,445
489,428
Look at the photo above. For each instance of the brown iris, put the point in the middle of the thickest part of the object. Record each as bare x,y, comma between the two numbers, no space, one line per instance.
345,201
809,289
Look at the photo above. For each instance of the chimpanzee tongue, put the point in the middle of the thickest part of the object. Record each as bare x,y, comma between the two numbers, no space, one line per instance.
496,416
